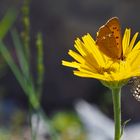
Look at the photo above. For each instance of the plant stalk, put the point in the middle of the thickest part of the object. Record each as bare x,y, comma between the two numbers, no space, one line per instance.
116,94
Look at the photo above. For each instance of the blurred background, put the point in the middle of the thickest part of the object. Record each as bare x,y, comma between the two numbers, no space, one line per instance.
61,22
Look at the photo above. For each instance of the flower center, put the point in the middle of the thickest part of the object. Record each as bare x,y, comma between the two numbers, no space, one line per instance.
113,67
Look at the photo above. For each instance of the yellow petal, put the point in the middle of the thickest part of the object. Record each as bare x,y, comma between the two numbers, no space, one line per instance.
132,42
76,56
92,48
126,40
90,75
70,64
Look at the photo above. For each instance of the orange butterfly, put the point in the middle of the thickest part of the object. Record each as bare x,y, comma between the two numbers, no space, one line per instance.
109,39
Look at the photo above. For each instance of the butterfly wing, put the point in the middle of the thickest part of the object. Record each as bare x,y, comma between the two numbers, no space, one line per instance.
109,38
114,25
135,87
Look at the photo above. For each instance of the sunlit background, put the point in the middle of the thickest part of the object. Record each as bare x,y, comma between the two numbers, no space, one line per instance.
61,22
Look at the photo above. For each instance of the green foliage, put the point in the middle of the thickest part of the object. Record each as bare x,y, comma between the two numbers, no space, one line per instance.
4,135
66,123
69,126
40,65
32,88
22,47
123,126
7,22
26,84
26,27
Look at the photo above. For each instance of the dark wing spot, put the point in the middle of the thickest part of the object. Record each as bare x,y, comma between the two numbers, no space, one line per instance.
114,28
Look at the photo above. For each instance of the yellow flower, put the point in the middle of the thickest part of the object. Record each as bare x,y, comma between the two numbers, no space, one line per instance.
90,62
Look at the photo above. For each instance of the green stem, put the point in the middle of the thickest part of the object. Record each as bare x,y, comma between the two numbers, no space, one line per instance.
116,94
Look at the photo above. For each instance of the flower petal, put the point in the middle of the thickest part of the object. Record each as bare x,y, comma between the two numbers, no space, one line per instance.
126,40
70,64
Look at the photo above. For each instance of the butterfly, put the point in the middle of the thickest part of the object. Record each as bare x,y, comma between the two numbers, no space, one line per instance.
109,39
135,87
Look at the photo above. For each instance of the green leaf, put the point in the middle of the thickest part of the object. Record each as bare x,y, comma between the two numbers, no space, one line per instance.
123,126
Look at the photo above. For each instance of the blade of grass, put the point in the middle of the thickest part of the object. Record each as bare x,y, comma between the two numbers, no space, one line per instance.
8,58
20,54
7,22
40,65
25,84
26,27
25,67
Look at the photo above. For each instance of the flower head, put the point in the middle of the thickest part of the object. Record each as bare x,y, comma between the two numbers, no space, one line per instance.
93,61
